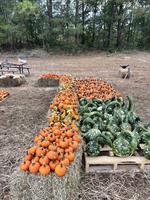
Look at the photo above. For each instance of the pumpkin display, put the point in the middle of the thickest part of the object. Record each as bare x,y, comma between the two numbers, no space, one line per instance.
105,118
55,146
94,88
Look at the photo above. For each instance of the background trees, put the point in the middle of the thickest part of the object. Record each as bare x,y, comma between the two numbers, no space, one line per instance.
73,24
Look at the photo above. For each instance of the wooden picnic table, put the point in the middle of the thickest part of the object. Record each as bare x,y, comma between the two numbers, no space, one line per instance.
17,65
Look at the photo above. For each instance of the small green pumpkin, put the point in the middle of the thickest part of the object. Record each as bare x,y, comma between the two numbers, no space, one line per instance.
93,148
121,147
92,134
147,151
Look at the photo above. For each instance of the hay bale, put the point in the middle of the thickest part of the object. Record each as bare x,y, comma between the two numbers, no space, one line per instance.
48,82
12,80
65,188
28,186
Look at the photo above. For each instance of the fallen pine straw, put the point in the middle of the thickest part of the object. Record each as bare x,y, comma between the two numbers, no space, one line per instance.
115,186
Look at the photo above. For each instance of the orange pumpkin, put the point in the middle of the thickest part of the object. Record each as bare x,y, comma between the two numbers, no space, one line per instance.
76,138
52,147
69,149
52,155
53,164
45,143
44,169
44,160
28,157
65,161
25,165
34,167
64,143
69,133
35,159
57,132
43,133
40,151
60,170
70,156
32,150
74,145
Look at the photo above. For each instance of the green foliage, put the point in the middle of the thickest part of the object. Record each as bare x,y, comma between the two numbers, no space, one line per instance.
73,25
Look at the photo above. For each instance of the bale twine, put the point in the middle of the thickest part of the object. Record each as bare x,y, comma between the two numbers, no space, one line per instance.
27,186
48,82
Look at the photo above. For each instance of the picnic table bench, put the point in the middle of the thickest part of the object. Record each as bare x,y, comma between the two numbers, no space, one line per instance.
7,71
14,65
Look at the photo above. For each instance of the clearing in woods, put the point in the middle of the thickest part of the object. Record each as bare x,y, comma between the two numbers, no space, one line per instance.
24,113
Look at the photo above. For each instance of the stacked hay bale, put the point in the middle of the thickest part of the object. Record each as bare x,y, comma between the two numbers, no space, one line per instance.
48,82
12,80
28,186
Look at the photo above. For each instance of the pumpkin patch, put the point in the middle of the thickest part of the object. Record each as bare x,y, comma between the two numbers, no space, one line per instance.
105,119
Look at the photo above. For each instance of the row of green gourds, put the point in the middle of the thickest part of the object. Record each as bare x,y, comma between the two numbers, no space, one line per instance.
112,122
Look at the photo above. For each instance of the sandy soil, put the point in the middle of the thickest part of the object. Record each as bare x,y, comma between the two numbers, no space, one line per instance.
24,113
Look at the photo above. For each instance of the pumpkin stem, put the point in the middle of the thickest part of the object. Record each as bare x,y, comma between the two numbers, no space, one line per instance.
61,164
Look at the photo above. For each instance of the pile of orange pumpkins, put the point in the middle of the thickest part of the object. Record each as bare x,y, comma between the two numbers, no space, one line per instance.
94,88
55,146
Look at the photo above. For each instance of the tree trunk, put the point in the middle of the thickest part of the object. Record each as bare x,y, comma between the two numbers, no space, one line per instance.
67,20
94,19
110,25
50,14
77,22
130,38
119,26
83,22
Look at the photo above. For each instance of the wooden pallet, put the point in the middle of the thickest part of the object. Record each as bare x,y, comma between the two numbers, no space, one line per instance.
4,97
108,162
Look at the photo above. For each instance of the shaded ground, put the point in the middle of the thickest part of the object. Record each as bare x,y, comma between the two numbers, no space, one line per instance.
24,113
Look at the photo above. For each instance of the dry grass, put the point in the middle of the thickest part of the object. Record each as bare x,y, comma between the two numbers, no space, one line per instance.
124,186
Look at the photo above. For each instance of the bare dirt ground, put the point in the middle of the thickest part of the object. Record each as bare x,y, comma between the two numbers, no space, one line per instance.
24,113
